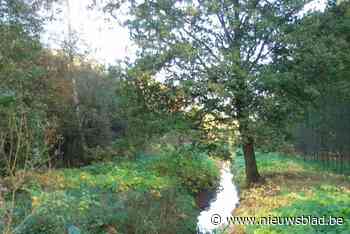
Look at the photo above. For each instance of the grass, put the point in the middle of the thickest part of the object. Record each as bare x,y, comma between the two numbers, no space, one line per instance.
292,187
153,194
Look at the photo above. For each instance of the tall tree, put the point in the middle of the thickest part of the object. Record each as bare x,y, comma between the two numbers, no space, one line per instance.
70,46
20,75
320,53
219,51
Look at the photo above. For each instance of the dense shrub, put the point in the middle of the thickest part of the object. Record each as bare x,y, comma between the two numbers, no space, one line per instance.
129,212
194,168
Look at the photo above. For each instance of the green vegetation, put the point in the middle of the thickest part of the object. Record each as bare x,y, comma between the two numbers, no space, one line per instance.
156,192
293,188
323,134
126,148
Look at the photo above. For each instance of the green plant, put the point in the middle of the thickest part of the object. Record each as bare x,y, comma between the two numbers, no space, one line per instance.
153,194
193,167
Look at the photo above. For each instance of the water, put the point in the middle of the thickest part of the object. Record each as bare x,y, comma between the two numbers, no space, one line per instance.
221,206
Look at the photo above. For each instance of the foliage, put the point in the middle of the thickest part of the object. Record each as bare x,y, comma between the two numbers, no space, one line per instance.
323,132
151,195
193,167
222,53
147,111
24,124
93,210
247,66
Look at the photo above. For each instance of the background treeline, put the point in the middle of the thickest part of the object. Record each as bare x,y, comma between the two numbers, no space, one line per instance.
90,149
324,132
121,110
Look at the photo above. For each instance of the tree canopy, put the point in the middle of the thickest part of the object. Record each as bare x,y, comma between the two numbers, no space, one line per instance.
221,53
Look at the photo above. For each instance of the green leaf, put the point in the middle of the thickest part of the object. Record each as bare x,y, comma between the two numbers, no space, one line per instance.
6,99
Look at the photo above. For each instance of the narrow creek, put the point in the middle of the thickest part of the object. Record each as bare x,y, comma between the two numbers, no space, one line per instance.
221,205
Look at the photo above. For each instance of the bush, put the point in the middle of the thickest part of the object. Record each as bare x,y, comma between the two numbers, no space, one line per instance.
194,168
130,212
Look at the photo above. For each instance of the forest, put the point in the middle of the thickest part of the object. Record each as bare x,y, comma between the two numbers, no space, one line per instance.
226,109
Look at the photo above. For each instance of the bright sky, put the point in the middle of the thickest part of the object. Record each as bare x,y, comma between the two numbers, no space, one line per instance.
106,42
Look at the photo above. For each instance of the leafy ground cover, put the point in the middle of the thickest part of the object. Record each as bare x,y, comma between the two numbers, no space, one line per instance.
153,194
292,188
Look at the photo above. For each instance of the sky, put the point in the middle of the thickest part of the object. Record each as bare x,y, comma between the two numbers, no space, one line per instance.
105,41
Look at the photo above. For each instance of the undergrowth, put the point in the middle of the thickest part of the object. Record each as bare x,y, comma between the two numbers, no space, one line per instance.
153,194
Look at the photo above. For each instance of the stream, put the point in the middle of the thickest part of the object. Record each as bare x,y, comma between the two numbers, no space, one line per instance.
220,205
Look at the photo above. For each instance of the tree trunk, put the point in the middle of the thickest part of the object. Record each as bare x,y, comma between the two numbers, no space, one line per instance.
251,168
75,95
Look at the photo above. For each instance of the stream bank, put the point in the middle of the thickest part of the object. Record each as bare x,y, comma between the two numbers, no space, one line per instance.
220,205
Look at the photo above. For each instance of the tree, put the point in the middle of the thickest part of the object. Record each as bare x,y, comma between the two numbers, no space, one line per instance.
70,47
147,111
320,55
219,51
23,121
20,77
